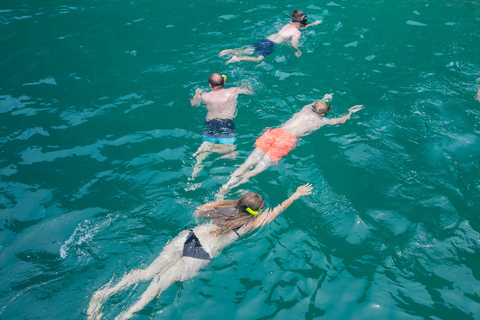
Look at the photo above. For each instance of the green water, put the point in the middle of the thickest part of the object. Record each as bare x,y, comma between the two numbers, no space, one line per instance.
97,135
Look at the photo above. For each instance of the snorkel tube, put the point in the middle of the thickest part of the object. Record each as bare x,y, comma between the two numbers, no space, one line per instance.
248,210
303,22
252,212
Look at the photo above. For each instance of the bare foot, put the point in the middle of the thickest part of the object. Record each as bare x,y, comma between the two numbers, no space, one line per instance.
233,59
221,194
94,306
225,52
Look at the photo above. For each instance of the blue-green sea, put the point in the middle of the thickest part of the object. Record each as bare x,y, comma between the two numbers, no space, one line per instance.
97,133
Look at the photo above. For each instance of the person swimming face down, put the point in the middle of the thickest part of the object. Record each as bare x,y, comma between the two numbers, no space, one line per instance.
298,16
229,215
321,107
216,81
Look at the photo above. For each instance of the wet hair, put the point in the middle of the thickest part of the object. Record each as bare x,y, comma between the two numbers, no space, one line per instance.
298,14
251,200
231,214
216,80
321,107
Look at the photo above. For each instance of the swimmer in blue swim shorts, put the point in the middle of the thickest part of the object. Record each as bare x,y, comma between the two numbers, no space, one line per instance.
219,133
264,47
289,32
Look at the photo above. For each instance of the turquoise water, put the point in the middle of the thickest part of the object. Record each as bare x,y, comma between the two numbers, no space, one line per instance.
97,135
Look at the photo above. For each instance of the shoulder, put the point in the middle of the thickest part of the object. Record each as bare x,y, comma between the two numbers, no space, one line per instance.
231,92
206,94
260,220
306,110
288,29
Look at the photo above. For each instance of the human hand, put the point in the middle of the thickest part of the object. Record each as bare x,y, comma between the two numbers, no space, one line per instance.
298,53
198,91
317,22
355,108
248,88
304,190
327,98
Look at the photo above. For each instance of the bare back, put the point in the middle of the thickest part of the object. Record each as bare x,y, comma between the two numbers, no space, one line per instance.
289,31
212,243
221,104
304,122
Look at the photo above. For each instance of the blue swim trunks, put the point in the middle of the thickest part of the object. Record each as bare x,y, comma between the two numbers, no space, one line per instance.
264,47
219,131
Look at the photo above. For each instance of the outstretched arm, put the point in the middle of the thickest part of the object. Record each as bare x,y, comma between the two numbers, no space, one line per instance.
244,90
270,215
197,98
347,116
313,24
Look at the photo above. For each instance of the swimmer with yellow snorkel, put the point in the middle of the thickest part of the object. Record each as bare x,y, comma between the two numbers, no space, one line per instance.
193,249
219,133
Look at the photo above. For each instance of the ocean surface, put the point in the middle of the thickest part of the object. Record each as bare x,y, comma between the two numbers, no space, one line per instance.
97,133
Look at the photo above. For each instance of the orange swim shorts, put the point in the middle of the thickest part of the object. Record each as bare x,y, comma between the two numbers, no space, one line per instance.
276,143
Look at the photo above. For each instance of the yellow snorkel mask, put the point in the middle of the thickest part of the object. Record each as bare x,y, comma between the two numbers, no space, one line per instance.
224,77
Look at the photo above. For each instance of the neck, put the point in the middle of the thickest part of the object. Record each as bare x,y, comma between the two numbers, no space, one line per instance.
298,25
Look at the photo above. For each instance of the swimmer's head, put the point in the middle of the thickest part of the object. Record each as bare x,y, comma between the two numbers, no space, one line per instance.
251,203
216,80
299,16
321,107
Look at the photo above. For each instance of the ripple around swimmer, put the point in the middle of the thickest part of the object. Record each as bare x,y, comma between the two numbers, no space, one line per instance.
97,136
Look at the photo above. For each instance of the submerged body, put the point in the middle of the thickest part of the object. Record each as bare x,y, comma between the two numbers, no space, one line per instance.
219,133
274,144
220,103
288,33
184,256
170,266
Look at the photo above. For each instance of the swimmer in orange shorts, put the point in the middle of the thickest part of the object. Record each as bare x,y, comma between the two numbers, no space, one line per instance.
276,143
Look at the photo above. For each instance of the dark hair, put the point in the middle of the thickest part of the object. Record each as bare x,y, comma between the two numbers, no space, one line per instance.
216,80
231,214
298,14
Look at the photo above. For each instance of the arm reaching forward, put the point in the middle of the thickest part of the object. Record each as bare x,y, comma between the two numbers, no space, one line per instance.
197,98
347,116
313,24
245,89
270,215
